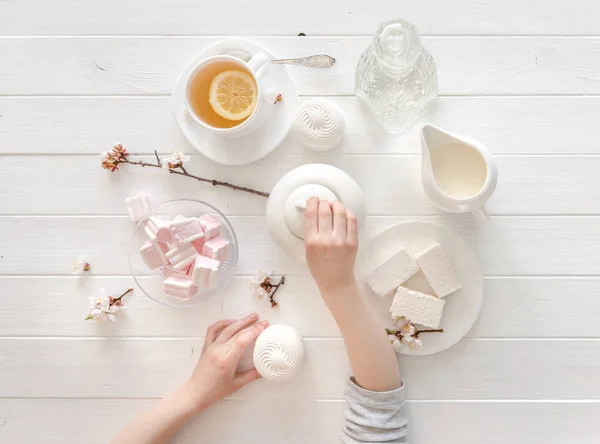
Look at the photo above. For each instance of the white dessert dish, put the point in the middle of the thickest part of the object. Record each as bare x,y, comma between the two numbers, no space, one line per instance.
278,352
287,202
210,280
228,150
461,309
320,125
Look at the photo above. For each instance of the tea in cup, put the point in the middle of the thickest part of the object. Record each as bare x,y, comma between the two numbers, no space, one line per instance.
225,94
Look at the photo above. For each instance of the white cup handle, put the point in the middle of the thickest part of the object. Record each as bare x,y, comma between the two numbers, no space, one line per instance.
260,64
482,215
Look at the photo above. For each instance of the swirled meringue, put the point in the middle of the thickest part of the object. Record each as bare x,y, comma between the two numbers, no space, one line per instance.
278,352
320,124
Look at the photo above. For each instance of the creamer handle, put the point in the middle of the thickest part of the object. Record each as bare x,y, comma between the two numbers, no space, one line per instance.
481,215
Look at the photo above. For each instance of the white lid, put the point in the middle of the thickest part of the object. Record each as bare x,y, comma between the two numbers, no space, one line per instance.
296,204
285,215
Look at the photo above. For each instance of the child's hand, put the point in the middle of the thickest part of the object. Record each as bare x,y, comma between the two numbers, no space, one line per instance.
215,376
331,241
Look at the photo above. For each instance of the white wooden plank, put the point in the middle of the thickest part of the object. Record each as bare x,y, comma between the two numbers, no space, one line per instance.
528,185
143,65
507,246
36,298
44,421
513,307
507,125
477,369
288,18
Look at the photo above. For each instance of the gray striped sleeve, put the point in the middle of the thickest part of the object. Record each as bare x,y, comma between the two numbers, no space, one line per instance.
374,417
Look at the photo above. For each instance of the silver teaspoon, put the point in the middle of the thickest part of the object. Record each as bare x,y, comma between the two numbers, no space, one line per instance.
322,61
314,61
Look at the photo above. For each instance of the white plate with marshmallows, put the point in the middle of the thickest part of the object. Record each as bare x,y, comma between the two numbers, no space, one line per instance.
428,274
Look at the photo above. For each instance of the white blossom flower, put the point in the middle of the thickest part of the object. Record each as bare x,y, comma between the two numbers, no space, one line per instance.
400,322
408,330
256,281
392,338
104,155
100,308
397,345
411,341
176,158
80,265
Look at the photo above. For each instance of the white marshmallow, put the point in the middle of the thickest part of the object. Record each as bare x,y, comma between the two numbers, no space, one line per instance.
181,256
186,231
418,308
217,248
159,229
392,273
139,206
210,225
206,272
179,288
154,254
438,270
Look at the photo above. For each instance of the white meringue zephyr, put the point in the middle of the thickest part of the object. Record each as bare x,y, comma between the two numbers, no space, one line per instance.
278,352
320,124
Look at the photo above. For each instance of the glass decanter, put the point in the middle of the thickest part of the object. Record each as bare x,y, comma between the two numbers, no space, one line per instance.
396,77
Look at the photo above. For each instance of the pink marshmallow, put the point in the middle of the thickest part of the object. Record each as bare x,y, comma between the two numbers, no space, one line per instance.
186,231
159,229
182,256
139,206
206,272
216,248
179,288
211,226
199,244
154,254
179,218
169,271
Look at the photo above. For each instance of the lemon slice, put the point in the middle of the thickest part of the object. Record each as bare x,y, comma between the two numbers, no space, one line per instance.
233,94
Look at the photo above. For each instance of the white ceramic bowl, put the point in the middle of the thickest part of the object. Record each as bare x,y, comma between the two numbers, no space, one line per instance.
150,282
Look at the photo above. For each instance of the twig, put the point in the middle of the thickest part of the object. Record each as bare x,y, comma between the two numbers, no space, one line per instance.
123,295
271,289
272,295
417,332
201,179
112,159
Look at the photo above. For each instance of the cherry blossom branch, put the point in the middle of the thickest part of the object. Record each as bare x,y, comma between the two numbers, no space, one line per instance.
416,334
129,290
273,289
119,155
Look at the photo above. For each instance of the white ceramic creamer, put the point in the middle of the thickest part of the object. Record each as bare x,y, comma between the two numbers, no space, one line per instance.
459,174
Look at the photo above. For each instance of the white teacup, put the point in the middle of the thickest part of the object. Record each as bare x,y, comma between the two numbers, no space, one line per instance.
257,66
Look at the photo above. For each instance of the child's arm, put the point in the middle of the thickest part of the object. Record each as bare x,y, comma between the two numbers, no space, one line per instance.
331,239
376,396
213,379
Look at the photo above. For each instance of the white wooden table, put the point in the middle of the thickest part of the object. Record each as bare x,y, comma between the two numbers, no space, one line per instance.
523,77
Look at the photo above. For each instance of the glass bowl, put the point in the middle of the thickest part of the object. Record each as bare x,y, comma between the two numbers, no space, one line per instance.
151,281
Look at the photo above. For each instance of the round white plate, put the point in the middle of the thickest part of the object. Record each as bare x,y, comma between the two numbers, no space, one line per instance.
462,307
247,149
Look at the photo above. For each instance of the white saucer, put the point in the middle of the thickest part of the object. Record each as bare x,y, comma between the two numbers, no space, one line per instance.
462,307
240,151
